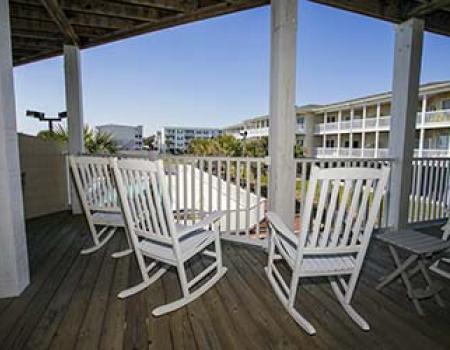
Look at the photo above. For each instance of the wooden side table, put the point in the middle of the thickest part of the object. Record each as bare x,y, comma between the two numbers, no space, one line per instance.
420,248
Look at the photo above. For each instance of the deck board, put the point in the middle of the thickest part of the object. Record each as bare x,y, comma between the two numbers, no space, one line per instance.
72,303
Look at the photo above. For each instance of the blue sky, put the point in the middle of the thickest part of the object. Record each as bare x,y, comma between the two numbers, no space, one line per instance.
216,72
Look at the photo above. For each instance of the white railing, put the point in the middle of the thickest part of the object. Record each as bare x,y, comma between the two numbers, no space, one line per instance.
429,189
432,119
384,123
429,185
432,153
371,123
332,152
237,186
437,117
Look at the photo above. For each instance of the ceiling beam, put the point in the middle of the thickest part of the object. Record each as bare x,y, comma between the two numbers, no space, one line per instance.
428,8
75,19
169,5
143,14
40,45
49,29
58,15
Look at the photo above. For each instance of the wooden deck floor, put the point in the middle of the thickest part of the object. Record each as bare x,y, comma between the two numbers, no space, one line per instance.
71,303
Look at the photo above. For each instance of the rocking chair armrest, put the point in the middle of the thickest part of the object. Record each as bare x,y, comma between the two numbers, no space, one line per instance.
281,227
210,219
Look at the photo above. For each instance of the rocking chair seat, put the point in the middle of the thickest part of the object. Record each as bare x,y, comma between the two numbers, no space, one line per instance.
188,244
317,264
327,265
108,219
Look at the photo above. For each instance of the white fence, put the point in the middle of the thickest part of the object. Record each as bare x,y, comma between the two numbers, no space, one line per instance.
429,189
237,186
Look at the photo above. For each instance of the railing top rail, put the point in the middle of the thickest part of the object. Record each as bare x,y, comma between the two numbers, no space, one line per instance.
214,158
430,158
344,159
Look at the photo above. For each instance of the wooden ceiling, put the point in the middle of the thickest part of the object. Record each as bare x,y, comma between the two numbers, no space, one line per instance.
39,28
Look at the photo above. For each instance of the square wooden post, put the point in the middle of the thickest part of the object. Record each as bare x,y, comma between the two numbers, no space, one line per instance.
282,109
14,271
405,92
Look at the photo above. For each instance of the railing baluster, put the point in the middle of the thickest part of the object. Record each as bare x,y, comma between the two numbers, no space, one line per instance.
200,179
185,202
210,186
228,176
238,196
258,197
247,198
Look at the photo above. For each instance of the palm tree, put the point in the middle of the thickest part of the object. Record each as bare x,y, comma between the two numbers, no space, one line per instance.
95,142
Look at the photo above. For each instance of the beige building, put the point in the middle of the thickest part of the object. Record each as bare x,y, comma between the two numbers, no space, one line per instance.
360,127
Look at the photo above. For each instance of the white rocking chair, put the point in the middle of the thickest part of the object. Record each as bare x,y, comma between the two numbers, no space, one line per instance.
155,237
333,243
98,196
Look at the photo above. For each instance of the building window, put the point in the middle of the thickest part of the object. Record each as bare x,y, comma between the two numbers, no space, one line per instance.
446,104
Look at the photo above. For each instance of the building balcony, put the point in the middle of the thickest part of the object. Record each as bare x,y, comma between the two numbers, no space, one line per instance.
334,152
433,119
262,132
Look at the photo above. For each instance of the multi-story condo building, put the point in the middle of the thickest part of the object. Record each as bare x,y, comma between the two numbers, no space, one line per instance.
177,139
127,137
360,127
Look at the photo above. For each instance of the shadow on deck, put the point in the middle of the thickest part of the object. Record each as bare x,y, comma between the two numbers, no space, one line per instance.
72,303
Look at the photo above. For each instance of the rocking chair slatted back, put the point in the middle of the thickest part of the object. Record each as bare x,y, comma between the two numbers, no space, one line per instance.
93,177
348,203
147,209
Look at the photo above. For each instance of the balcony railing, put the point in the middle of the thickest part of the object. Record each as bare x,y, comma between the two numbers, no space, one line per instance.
239,187
430,153
429,185
429,189
437,117
432,119
332,152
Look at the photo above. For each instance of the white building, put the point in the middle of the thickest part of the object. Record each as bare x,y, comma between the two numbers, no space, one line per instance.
127,137
360,127
177,139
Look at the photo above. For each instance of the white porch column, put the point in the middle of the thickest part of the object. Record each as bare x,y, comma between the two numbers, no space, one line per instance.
14,273
422,125
282,109
363,134
352,115
338,151
405,91
377,132
74,103
324,139
308,143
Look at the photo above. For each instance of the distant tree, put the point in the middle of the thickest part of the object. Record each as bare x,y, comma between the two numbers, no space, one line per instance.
150,142
202,147
256,147
228,146
224,145
94,141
